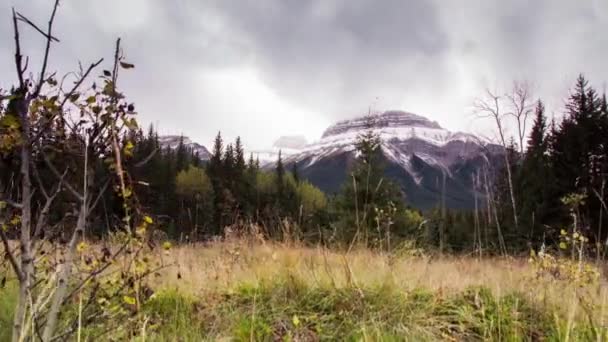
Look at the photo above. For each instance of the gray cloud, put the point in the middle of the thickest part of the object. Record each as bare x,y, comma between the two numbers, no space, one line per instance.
264,68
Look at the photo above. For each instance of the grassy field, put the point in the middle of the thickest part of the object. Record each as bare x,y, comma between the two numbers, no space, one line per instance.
244,290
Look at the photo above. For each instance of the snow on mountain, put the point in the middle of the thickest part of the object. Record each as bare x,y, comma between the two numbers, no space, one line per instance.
403,134
419,151
288,145
172,141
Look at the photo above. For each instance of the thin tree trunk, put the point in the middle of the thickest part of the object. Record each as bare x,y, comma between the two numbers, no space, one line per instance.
65,271
27,266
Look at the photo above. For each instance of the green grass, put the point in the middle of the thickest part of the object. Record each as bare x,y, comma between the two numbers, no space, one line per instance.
290,310
8,301
242,292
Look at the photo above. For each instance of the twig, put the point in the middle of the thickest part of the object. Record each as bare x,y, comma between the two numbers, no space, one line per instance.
79,83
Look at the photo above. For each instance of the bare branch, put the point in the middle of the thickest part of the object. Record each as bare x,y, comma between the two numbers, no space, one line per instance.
66,98
147,159
21,17
39,181
43,215
18,57
11,257
521,108
100,195
11,203
79,83
47,50
59,176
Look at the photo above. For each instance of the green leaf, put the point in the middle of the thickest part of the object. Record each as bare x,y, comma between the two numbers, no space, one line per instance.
91,99
127,65
2,204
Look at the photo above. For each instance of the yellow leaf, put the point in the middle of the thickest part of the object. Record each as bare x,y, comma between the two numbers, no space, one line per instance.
15,220
148,220
295,320
167,245
563,245
129,300
81,247
127,193
563,232
141,231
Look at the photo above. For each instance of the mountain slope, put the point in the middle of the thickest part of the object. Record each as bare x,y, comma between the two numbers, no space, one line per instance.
172,141
418,154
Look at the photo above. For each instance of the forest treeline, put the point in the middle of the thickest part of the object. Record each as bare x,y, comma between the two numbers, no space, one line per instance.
561,169
560,173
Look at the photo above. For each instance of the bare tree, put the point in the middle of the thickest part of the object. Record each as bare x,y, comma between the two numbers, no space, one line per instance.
520,100
490,106
36,109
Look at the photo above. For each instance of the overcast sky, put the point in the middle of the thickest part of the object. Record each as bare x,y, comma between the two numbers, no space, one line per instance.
266,68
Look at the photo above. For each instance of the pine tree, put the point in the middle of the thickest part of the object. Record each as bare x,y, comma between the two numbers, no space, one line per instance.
578,153
534,182
181,158
214,171
294,171
537,143
251,163
366,189
280,179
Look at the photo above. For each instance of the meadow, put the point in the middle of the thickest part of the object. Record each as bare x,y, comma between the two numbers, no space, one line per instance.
251,290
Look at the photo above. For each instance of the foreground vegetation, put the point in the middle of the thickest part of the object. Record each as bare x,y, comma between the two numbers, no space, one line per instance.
253,290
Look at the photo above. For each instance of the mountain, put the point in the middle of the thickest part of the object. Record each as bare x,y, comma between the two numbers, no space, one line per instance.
289,145
418,154
172,141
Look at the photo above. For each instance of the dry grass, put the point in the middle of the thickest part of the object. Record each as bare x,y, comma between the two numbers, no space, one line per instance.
226,265
251,289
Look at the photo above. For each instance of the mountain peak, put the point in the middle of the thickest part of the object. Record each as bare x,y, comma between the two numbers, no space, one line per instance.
172,141
389,118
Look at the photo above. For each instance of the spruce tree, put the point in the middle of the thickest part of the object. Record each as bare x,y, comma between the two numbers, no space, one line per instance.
240,181
294,171
181,158
535,186
214,171
366,189
280,179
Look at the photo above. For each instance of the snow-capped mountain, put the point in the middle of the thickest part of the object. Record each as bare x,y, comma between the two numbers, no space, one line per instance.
418,151
172,141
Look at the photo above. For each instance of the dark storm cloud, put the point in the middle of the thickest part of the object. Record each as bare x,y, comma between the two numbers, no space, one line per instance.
241,66
339,55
